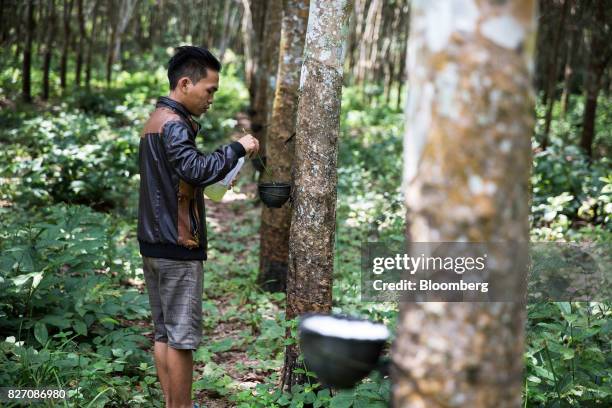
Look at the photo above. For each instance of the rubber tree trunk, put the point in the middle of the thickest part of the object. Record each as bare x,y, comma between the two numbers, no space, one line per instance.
118,28
81,42
467,162
599,58
313,222
572,44
90,44
67,11
275,222
553,69
266,73
48,50
26,84
253,23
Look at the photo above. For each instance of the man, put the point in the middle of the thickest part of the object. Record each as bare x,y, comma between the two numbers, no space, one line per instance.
172,217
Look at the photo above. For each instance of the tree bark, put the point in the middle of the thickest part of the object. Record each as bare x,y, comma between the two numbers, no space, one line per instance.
48,52
253,38
26,86
266,70
275,222
552,73
82,40
90,45
117,30
572,43
313,222
599,57
466,170
365,44
67,11
246,28
4,26
225,35
401,74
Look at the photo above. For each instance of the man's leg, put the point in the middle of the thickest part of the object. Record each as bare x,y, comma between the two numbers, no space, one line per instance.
180,376
161,363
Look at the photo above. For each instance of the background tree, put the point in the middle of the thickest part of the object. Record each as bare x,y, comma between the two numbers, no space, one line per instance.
67,16
265,72
275,222
467,166
27,54
81,41
313,222
119,20
48,48
553,70
600,52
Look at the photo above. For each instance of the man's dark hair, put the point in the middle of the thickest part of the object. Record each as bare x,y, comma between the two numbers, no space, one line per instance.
192,62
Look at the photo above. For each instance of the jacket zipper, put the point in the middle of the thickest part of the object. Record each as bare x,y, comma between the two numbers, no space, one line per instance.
192,220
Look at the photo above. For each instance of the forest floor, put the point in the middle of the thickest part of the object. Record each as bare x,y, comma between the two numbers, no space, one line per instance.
222,217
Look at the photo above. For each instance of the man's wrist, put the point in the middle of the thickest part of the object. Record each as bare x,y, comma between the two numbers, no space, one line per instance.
238,148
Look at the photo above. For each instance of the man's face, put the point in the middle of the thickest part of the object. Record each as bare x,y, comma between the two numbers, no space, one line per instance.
198,97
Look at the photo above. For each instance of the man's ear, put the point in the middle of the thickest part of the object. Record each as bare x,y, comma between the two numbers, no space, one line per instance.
183,84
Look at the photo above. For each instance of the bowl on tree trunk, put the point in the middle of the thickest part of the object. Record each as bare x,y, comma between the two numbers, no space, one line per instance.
274,194
341,350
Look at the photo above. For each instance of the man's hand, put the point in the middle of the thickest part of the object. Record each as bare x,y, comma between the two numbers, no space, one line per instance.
250,144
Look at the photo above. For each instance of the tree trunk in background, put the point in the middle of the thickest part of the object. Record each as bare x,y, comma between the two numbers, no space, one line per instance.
572,43
275,222
401,74
65,45
599,58
90,45
114,51
48,52
82,40
359,11
266,73
365,43
3,25
467,164
26,88
247,36
253,37
313,222
225,35
553,69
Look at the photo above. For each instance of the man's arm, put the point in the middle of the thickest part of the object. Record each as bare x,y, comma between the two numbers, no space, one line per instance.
193,166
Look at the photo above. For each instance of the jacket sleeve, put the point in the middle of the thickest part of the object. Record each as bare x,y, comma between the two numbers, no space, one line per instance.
193,166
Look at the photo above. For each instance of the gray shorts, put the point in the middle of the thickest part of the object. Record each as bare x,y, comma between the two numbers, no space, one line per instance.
175,295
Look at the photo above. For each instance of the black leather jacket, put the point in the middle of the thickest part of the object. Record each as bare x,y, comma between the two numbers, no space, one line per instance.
173,173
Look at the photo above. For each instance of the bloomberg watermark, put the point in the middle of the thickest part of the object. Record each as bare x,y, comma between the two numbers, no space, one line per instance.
484,272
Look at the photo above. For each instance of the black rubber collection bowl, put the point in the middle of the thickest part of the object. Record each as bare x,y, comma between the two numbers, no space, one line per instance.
339,361
274,195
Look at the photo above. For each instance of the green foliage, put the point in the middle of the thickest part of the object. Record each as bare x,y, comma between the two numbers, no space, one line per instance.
569,191
68,157
568,357
65,310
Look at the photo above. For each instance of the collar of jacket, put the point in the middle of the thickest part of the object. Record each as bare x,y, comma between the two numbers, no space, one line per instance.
179,108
